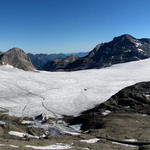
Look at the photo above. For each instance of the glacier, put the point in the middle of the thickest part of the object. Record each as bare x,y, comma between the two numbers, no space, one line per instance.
26,93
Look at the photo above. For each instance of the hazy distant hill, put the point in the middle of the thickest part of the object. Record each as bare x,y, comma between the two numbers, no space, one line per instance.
40,60
80,54
60,63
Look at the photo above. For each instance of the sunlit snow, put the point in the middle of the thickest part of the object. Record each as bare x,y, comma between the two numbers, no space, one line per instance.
26,93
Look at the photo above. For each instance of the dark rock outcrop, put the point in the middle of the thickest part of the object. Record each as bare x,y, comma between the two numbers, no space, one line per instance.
145,147
124,48
133,99
16,58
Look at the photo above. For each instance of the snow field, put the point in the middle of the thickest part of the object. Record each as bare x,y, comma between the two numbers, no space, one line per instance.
65,93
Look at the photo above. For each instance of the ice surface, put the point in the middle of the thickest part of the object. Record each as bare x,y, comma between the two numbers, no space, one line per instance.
76,127
62,129
26,93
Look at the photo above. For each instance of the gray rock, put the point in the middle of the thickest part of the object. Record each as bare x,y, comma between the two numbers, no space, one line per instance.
146,147
17,58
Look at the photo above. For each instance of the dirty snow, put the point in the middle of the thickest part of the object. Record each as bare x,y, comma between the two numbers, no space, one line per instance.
106,112
138,44
25,93
62,129
90,141
27,122
127,145
2,123
14,146
20,134
127,107
140,50
57,146
76,127
56,128
131,140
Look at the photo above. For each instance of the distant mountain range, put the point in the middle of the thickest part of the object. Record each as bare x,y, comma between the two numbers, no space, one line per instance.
16,57
40,60
121,49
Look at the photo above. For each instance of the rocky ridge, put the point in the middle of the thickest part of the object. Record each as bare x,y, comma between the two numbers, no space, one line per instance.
121,49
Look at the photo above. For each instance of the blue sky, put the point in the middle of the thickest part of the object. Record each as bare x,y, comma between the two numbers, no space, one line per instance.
53,26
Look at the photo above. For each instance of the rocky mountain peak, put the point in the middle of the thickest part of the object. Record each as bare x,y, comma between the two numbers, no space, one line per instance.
124,37
17,52
124,42
17,58
121,49
15,49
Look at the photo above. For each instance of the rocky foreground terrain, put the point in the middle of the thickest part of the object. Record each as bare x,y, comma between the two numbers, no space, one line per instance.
120,123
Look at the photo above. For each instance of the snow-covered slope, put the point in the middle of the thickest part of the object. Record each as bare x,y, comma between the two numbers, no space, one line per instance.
31,93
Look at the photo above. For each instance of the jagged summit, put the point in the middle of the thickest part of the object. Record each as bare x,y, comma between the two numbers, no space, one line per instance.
17,58
15,49
124,36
